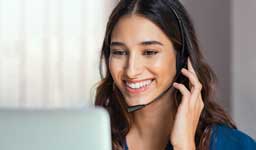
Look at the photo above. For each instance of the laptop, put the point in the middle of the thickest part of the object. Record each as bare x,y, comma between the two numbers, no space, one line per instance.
60,129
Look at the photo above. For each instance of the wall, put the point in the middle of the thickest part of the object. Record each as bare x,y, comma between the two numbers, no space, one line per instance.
244,64
227,32
49,51
212,23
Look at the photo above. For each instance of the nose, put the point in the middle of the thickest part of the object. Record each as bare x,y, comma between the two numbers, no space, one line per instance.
134,66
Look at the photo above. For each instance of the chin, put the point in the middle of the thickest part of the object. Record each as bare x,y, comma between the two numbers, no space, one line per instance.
138,102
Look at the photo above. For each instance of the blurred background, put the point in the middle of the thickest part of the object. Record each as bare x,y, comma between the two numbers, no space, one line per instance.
49,52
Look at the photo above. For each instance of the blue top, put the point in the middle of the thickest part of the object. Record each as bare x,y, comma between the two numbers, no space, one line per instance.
223,138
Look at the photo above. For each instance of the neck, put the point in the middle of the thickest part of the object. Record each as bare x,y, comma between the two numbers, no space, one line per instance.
154,120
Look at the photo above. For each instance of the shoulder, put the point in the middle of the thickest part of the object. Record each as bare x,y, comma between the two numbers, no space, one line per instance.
224,137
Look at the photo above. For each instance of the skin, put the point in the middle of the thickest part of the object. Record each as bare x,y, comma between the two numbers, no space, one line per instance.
141,51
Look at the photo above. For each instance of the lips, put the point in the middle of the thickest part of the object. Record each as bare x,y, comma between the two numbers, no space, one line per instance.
138,86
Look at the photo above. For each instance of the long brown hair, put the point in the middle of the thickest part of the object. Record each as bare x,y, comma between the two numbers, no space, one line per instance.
109,97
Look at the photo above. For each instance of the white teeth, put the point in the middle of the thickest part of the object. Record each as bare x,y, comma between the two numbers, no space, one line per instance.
139,84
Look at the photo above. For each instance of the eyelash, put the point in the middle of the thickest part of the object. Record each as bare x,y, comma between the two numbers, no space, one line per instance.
124,52
119,52
150,52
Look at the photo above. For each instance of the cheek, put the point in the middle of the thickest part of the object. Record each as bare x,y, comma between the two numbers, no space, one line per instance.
164,67
115,69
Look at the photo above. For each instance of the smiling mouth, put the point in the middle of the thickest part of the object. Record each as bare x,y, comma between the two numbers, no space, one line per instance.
138,87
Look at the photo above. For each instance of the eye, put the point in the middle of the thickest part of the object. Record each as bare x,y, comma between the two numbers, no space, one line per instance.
119,52
150,52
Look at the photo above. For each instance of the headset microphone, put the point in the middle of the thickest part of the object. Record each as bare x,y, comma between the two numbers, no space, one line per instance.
138,107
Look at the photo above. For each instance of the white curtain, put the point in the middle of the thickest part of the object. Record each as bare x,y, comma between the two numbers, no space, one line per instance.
49,51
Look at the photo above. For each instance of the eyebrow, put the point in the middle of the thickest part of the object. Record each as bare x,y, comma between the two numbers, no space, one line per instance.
115,43
151,43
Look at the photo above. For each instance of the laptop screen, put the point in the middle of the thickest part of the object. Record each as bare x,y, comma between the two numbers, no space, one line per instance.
73,129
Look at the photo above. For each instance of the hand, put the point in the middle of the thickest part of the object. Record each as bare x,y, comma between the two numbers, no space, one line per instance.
188,113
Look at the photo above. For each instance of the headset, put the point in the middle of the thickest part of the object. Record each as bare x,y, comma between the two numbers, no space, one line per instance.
181,61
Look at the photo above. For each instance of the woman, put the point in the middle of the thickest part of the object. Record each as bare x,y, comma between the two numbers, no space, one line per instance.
157,88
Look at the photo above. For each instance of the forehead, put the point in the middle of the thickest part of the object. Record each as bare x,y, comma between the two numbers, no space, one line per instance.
133,29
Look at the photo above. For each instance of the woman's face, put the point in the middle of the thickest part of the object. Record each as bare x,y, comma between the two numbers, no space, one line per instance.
142,59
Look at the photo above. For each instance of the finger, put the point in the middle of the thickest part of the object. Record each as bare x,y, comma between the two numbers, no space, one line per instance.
196,98
199,103
183,90
192,78
190,67
195,89
199,108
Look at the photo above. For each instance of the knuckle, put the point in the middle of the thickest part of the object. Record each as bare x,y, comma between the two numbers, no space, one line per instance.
182,87
188,94
199,86
190,73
